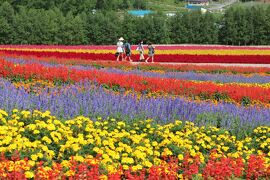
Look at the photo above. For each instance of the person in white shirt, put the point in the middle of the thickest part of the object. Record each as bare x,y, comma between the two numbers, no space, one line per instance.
120,49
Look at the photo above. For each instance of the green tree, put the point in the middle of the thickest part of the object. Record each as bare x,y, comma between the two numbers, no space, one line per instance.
5,31
103,28
105,4
74,32
178,30
242,21
194,26
129,29
161,32
23,26
267,25
7,12
78,6
139,4
259,21
228,32
126,4
209,29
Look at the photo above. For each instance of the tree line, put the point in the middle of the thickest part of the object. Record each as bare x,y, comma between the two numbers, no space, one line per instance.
33,25
77,6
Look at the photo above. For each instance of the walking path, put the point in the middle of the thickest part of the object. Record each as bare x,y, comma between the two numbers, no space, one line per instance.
210,64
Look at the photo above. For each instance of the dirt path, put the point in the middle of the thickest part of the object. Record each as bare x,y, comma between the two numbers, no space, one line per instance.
211,64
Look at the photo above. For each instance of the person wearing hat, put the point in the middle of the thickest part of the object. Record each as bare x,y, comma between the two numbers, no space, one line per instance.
120,48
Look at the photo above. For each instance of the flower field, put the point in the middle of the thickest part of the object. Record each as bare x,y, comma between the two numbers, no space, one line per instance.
191,54
71,112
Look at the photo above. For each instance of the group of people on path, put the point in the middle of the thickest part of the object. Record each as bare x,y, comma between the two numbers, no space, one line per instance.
124,51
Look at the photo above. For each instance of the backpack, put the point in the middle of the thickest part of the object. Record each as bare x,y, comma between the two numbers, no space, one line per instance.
127,47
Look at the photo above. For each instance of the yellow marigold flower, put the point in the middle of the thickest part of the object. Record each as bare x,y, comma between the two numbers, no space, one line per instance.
225,148
12,146
79,158
51,127
51,153
47,140
125,167
31,163
66,163
193,153
121,123
32,126
105,156
70,173
263,145
180,157
115,156
260,152
21,124
29,174
180,176
36,132
111,169
147,163
156,153
75,147
15,110
139,154
40,155
119,149
197,148
130,160
47,168
34,157
178,122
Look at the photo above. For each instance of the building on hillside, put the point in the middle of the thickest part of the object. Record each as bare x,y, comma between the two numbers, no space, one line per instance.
140,13
198,2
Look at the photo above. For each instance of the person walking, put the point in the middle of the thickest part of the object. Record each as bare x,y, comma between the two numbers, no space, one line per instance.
120,48
141,50
151,52
128,51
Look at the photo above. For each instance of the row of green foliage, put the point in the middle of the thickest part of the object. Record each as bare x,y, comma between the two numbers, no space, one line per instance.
239,26
78,6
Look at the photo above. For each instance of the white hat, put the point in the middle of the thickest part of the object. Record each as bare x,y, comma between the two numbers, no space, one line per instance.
121,39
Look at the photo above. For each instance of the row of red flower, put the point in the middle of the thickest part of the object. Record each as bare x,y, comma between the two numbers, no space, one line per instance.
150,66
136,82
252,59
216,168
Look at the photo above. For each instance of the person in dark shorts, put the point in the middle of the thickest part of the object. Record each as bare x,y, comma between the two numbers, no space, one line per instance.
151,52
128,51
141,50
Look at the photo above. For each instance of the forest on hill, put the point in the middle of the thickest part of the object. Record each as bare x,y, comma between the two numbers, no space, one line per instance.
72,22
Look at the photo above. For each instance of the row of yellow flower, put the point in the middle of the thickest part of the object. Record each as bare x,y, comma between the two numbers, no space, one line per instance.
41,136
239,52
49,84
